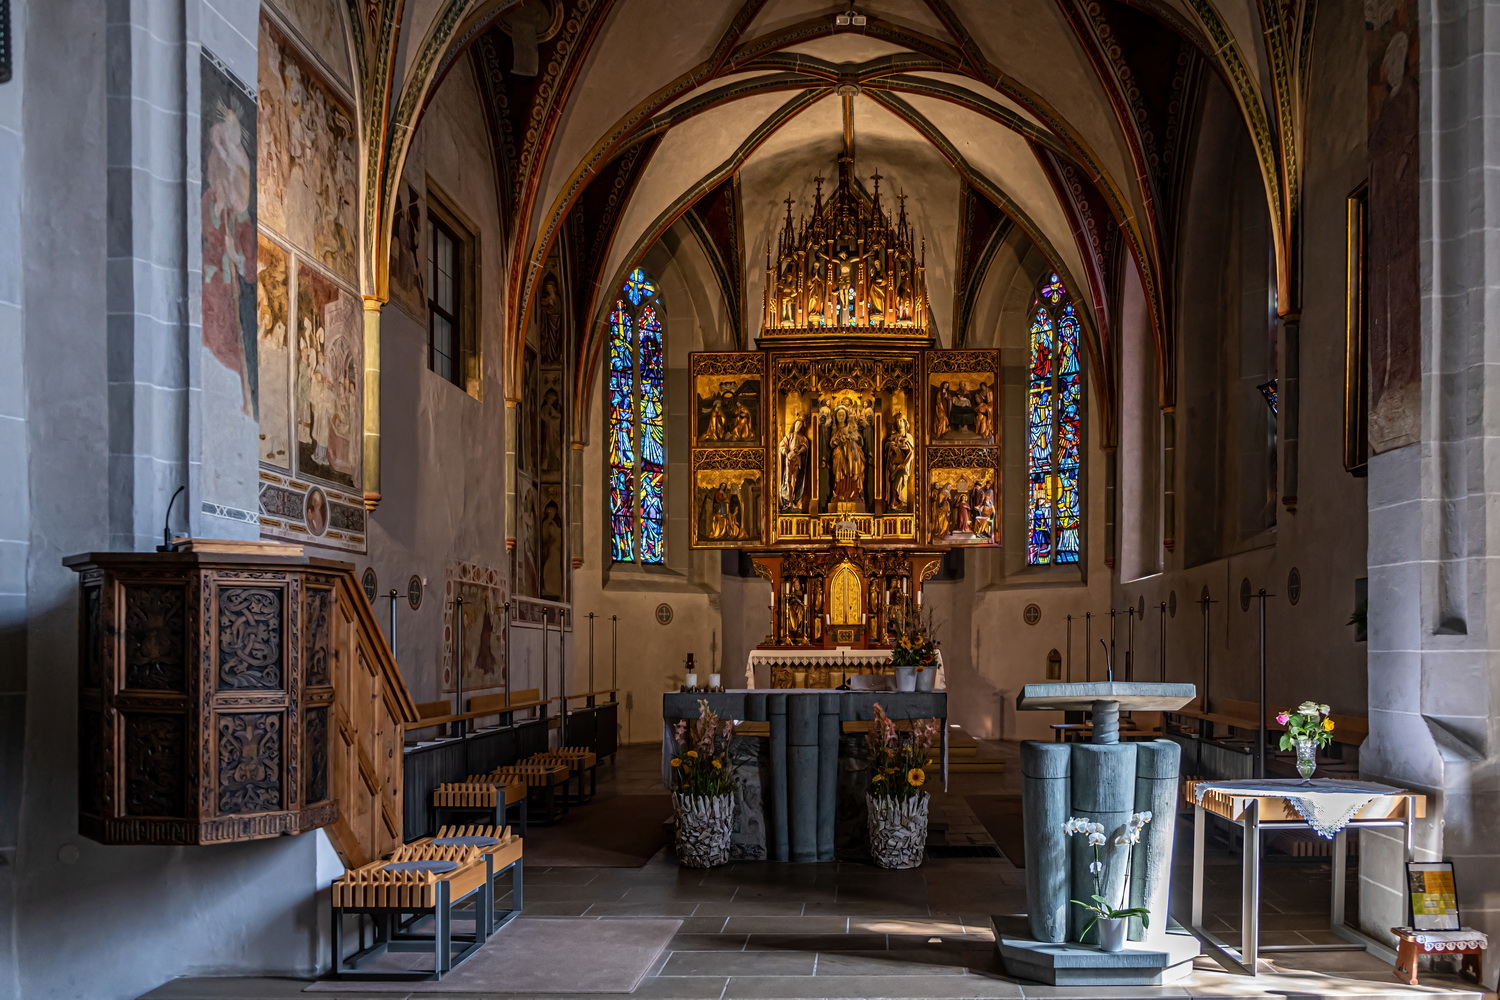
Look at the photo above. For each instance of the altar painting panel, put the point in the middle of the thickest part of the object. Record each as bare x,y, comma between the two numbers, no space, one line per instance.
728,400
962,396
728,498
963,496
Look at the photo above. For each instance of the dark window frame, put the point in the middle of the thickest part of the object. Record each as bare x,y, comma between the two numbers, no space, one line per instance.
455,317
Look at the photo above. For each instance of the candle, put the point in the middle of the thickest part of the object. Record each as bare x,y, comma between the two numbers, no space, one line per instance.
692,680
863,617
919,598
715,680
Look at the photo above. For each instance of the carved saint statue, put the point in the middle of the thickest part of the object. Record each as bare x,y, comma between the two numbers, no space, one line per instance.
900,455
846,445
942,398
718,421
744,425
792,453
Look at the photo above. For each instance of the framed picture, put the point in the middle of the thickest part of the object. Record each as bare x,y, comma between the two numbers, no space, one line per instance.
727,497
727,400
962,401
1433,895
963,496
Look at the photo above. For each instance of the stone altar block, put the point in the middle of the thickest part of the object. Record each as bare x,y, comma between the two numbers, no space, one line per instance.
1103,781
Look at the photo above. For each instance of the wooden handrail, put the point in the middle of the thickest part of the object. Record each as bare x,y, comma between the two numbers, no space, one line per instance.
588,694
443,720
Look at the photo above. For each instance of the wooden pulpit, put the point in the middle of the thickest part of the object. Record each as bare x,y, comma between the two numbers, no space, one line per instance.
235,691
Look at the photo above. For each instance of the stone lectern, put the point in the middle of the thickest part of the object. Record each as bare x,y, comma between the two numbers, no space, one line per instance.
1102,781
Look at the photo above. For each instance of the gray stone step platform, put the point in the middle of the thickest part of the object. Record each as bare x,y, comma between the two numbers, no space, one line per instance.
1140,964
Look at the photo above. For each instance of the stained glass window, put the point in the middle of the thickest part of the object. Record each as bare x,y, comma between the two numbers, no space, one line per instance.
637,425
1054,430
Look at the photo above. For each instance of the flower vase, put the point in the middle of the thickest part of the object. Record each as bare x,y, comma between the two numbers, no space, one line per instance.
1112,932
898,829
704,826
926,677
1307,759
906,677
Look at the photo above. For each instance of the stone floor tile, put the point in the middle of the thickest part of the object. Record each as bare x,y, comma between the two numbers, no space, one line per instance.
654,988
678,894
707,942
871,988
756,908
864,908
741,963
575,908
570,893
906,925
663,909
240,988
1035,991
890,963
785,925
702,925
817,942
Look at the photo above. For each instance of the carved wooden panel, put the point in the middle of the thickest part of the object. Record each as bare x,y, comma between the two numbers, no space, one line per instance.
227,695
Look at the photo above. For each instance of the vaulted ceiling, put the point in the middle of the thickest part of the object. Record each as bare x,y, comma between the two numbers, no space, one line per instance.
1058,121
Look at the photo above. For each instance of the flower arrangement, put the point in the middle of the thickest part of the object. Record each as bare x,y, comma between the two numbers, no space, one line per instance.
700,765
912,642
899,758
1309,722
1102,908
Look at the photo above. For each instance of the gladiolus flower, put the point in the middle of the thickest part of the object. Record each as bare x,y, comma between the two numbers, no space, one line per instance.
1282,718
916,776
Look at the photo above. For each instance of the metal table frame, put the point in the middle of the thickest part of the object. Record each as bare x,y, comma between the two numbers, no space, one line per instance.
1246,958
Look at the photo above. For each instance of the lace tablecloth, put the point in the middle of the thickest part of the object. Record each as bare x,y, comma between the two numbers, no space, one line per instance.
1458,940
1328,804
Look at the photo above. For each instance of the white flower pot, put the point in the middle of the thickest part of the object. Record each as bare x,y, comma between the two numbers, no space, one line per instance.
906,678
898,830
704,826
1112,931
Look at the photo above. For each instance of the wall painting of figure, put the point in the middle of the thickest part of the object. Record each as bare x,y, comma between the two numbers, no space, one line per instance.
483,593
228,226
329,397
408,286
273,292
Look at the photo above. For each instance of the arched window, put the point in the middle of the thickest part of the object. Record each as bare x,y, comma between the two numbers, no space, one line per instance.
1054,412
637,424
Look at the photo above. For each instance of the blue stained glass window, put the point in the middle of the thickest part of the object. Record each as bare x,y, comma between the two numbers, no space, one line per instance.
637,424
1054,430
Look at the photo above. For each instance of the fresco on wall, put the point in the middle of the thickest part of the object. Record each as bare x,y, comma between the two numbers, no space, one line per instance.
408,258
307,162
329,397
320,27
483,593
527,570
228,224
273,293
551,551
549,317
1395,330
550,422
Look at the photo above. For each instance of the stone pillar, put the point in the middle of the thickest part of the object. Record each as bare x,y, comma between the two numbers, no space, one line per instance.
1045,805
776,715
1435,439
828,772
373,306
802,777
1102,791
1157,764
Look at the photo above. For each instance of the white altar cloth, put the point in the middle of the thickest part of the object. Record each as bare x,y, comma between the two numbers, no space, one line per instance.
762,660
1328,804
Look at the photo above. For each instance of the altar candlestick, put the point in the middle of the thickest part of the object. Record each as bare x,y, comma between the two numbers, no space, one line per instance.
715,681
692,681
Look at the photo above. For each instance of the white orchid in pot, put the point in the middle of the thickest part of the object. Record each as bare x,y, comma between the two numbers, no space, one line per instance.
1113,920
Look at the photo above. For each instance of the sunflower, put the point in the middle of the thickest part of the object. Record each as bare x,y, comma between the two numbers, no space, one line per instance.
718,763
915,777
692,753
1328,725
676,761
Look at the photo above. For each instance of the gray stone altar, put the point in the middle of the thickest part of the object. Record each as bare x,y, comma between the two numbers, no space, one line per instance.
790,784
1103,781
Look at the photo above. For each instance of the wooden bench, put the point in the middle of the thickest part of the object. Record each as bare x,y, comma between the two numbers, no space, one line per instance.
504,851
481,793
581,760
542,780
397,899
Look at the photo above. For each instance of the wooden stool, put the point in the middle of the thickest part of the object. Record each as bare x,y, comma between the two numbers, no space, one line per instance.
481,793
1409,949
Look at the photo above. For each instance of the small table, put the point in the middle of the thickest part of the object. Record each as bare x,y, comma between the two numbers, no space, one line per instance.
1267,807
1409,948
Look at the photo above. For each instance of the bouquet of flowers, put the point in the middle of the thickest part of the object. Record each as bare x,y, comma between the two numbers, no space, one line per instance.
1309,722
700,765
899,758
1102,908
912,642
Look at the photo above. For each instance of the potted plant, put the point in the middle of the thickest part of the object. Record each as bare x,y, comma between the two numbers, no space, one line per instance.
895,802
1113,921
702,789
913,648
1306,729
